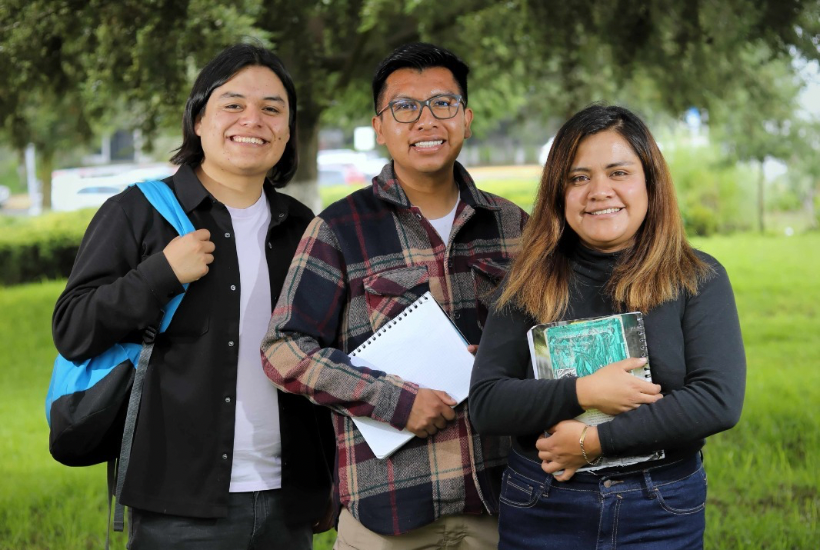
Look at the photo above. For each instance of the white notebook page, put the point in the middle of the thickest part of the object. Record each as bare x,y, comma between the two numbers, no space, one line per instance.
423,346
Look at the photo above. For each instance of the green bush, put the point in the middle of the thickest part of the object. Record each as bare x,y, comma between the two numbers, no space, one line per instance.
8,171
40,248
715,195
700,220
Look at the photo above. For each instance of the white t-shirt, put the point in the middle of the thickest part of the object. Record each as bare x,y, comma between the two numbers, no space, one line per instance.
257,444
444,225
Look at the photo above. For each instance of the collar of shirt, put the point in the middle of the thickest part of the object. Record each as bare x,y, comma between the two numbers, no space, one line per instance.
386,187
191,194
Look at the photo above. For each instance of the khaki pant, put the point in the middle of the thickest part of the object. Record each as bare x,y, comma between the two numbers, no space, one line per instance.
462,532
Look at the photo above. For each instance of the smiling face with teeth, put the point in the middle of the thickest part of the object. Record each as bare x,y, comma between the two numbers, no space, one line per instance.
424,150
605,197
244,127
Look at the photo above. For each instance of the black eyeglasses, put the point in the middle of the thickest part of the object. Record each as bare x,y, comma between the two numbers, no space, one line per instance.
442,106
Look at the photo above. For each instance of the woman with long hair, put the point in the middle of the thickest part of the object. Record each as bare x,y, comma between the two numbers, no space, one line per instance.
606,237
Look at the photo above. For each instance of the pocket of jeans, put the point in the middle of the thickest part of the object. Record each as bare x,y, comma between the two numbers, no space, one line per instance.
519,491
685,496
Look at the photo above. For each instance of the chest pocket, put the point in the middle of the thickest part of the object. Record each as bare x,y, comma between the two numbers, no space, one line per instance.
487,275
389,292
192,319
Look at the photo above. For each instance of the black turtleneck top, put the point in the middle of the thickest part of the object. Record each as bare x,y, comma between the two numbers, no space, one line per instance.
695,354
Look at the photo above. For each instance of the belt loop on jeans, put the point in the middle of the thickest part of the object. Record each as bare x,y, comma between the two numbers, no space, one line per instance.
648,486
549,479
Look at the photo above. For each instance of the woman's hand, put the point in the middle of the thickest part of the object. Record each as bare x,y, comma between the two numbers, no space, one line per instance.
562,449
613,390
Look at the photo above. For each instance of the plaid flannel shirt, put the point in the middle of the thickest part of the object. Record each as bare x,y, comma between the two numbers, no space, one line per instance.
359,264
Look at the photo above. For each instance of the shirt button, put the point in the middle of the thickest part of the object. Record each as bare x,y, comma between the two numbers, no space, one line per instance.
225,456
227,235
233,287
457,316
282,215
607,484
418,216
270,244
227,400
230,343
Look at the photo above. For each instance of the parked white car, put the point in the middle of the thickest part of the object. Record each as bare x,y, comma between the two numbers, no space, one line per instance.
358,167
76,188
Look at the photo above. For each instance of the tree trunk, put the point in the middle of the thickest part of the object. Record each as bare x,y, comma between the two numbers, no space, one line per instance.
21,167
808,204
760,197
304,186
44,169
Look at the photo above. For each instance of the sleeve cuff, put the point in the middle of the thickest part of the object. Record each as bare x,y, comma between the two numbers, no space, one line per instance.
395,408
157,272
605,439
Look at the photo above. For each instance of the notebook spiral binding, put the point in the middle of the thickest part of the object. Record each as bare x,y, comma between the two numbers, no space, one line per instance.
644,351
391,323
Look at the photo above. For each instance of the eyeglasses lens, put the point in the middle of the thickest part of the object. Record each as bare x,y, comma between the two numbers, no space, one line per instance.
409,110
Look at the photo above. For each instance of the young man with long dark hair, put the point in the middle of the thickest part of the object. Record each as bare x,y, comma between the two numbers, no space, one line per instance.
221,460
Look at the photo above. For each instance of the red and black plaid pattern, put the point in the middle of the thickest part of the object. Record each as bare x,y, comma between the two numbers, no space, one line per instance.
360,263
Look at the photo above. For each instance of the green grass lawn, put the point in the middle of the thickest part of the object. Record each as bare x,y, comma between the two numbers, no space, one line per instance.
764,485
763,480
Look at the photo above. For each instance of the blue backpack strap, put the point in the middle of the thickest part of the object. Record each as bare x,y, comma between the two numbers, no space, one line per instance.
163,199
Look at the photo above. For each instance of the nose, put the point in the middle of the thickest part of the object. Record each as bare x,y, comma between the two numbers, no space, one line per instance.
600,188
426,118
251,116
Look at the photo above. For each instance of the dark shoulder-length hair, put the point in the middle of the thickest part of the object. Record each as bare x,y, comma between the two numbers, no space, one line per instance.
217,72
658,264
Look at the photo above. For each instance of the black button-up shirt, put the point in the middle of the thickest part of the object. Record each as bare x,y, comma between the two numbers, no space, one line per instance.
183,445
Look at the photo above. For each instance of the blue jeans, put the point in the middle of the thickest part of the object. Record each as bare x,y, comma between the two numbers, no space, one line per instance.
660,508
254,522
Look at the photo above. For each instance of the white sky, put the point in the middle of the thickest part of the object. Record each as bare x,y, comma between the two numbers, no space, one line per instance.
810,96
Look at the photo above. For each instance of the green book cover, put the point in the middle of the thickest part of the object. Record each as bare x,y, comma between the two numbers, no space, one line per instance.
580,347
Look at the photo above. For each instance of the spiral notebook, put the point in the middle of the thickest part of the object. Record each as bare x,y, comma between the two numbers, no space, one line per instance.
421,345
582,346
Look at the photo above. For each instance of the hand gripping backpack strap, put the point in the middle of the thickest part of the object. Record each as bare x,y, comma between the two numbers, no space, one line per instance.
163,199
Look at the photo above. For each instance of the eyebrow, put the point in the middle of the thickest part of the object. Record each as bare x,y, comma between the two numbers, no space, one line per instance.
607,167
231,95
405,96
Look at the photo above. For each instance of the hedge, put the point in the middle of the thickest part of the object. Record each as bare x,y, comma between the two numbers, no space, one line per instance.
44,247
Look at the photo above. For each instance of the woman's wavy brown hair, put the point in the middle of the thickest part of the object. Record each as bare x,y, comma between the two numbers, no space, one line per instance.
658,265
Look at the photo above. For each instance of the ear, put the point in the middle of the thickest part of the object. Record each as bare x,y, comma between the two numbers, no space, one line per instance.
468,119
376,121
198,125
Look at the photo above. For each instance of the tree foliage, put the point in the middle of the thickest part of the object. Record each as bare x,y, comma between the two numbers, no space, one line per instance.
530,58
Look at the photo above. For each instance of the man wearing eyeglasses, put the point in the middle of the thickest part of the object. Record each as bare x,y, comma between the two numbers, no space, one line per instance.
422,225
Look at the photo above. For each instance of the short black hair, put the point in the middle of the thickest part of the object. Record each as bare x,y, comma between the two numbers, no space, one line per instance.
419,56
217,72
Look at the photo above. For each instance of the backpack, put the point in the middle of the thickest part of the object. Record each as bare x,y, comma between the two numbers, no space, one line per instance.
92,405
